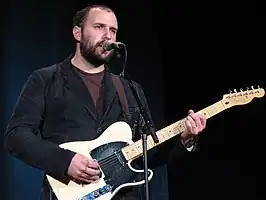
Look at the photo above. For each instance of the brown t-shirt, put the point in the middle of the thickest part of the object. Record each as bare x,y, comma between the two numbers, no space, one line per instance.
94,84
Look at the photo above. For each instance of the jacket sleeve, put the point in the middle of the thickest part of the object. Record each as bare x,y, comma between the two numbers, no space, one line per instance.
22,138
165,152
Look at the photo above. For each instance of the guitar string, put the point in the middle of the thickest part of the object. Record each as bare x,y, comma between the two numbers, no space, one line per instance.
106,158
102,165
105,163
110,167
109,159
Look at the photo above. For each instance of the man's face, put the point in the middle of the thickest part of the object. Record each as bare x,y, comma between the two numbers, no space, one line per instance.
99,26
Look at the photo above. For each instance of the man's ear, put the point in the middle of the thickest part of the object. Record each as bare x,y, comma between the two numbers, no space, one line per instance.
77,33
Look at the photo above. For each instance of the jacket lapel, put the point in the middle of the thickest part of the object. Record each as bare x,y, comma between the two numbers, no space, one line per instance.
109,94
76,85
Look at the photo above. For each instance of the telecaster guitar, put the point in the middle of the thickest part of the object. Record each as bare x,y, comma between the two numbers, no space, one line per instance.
115,151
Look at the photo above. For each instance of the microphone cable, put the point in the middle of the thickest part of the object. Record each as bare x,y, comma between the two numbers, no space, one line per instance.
122,74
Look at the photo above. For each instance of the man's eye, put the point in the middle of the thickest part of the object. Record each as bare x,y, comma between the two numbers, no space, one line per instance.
99,26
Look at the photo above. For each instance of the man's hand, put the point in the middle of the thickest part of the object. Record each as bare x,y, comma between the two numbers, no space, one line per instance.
83,169
195,123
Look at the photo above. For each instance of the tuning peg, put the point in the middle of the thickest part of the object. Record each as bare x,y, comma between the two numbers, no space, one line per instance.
235,90
230,91
247,88
252,87
241,89
258,87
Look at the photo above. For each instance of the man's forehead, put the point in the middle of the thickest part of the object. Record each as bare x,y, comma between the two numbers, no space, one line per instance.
97,15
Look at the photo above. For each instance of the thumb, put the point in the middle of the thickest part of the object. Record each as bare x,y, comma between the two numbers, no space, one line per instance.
190,111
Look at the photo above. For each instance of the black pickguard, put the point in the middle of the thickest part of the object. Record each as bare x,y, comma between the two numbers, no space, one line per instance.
114,165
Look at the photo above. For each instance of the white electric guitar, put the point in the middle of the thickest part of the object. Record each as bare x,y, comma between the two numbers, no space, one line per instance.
115,151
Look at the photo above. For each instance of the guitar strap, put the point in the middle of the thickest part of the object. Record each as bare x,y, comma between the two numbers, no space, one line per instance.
121,93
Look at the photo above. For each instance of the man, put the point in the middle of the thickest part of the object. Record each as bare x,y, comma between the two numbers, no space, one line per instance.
76,100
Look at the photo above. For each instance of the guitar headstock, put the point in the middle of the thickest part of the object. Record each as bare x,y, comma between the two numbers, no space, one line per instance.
242,97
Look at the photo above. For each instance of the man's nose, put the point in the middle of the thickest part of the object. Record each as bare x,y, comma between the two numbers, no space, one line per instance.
108,35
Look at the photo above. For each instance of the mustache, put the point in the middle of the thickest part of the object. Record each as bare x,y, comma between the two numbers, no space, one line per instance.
100,43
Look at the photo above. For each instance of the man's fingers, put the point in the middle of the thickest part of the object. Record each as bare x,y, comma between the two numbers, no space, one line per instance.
188,125
202,120
190,111
89,177
91,171
199,120
93,164
191,127
191,122
81,180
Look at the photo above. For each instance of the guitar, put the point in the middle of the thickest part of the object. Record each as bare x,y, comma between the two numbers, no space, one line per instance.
115,153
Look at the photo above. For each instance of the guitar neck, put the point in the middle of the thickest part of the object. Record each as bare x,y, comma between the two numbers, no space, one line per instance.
135,150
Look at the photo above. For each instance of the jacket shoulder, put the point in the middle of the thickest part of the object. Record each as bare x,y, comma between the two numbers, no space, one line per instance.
47,71
42,77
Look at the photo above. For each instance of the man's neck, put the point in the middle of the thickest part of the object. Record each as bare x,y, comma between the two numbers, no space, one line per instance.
79,62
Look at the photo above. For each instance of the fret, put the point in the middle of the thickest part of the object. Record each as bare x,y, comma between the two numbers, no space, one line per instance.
170,134
213,109
205,112
150,142
181,126
133,152
167,134
138,147
220,106
161,138
127,152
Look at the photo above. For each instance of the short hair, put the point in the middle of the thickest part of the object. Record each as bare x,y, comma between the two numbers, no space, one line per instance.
81,15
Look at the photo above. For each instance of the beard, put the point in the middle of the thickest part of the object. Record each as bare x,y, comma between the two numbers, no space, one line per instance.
90,53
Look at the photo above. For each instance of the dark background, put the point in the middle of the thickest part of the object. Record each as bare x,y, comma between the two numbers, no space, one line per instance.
185,54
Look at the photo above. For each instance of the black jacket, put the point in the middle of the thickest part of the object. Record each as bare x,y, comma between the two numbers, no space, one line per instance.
55,107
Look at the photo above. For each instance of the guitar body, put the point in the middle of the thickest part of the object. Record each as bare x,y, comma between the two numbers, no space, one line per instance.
117,172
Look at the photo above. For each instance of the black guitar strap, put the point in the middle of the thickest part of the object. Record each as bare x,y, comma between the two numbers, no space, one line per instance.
121,93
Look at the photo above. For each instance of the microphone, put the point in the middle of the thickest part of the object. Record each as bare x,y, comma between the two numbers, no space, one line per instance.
108,46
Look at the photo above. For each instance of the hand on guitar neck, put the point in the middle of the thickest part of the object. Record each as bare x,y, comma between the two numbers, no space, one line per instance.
195,123
84,169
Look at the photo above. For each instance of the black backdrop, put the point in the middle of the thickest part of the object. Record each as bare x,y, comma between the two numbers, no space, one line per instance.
185,55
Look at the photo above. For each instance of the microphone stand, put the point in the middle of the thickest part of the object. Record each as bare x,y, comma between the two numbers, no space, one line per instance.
144,130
